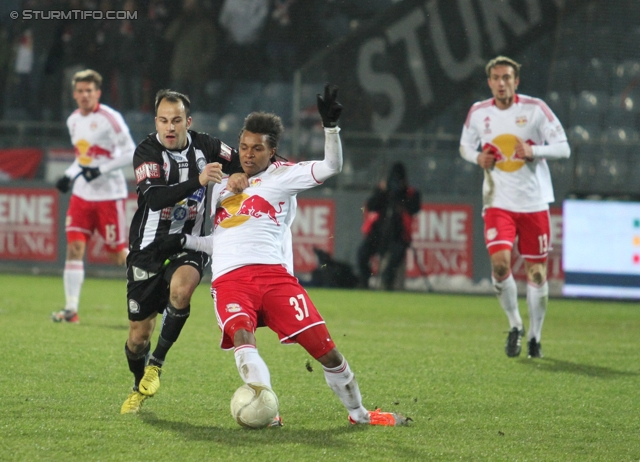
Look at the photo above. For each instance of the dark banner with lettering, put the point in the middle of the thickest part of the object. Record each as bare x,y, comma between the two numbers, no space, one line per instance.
404,69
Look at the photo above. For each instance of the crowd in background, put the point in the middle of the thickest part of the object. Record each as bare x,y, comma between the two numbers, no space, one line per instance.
179,44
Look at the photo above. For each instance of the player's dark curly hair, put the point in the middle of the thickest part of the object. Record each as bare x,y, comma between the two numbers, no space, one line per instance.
173,97
265,123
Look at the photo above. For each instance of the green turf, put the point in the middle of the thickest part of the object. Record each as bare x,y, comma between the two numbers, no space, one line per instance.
436,358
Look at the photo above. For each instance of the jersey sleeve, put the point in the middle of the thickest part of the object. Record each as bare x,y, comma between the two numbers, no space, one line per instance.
551,129
469,141
294,178
124,143
148,167
151,181
218,151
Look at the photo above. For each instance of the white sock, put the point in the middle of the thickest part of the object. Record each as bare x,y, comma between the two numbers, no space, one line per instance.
344,384
73,277
251,366
507,292
537,300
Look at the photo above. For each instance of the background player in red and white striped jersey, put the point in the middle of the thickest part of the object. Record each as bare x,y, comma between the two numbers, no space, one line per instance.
103,147
511,136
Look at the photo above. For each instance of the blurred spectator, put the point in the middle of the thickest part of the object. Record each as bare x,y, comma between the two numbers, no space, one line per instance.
22,96
282,39
387,227
193,36
128,59
243,22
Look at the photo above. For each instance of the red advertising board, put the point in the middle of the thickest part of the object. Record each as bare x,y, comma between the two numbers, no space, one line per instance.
442,241
28,224
95,250
313,227
554,260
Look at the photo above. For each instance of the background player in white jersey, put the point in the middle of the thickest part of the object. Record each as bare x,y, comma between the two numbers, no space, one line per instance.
253,284
103,146
516,134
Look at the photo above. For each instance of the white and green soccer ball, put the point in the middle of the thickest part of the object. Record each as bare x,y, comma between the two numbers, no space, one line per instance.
254,405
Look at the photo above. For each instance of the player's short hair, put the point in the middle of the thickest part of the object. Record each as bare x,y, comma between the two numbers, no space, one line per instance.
173,97
88,75
264,123
503,61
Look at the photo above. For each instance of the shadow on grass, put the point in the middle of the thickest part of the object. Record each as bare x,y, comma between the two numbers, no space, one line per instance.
558,365
235,437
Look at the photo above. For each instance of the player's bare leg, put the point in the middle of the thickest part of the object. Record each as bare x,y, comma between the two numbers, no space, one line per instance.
183,282
507,291
119,258
537,300
73,278
137,350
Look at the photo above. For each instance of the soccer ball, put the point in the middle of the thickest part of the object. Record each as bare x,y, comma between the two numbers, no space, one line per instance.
254,405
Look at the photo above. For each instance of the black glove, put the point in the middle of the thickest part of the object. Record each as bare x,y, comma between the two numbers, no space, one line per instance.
328,107
63,184
153,256
90,173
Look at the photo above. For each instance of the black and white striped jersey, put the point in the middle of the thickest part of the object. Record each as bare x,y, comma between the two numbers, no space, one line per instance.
170,197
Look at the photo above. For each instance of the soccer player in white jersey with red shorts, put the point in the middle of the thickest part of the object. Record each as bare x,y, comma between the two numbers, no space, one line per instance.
253,283
103,146
511,136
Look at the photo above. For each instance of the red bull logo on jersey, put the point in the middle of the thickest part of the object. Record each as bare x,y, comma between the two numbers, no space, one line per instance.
86,152
505,157
235,210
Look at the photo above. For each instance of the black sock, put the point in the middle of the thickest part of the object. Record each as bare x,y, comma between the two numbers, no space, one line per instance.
172,323
137,362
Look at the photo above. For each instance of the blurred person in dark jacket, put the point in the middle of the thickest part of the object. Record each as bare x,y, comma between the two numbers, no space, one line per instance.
194,39
387,226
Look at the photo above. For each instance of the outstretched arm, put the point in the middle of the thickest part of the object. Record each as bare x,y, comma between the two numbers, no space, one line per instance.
330,110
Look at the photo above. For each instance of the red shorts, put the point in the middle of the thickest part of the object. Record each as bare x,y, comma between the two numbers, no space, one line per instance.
105,217
269,296
501,228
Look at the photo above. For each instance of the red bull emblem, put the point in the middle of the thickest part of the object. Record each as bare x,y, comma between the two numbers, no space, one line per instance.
86,152
237,209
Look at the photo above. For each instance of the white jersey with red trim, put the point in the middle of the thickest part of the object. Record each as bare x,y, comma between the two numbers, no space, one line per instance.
100,139
254,227
513,184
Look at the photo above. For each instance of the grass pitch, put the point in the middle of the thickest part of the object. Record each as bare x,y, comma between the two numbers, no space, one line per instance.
436,358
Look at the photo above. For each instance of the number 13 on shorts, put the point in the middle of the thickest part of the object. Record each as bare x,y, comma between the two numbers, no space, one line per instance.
543,241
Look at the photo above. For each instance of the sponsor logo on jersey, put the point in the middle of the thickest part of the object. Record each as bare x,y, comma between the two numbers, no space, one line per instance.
225,151
506,144
521,121
147,170
180,213
86,152
233,308
198,194
487,125
255,182
237,209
